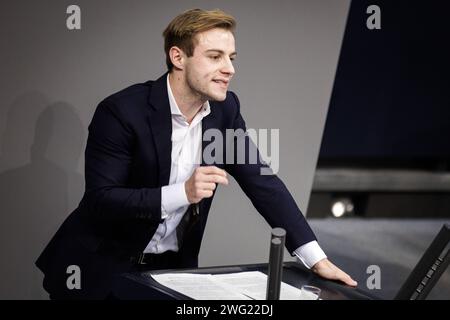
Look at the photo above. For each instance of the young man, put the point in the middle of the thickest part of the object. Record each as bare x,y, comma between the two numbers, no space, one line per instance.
148,187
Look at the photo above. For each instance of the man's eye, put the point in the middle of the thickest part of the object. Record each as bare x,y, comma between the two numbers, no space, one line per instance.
215,57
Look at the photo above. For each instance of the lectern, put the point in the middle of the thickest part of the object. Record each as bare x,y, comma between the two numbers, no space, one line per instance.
141,286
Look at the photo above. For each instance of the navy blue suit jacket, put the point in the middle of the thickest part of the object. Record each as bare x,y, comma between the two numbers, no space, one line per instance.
127,161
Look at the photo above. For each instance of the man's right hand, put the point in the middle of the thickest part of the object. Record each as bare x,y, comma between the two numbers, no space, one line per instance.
203,181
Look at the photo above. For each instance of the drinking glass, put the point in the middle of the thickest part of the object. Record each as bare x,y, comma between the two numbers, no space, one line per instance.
310,293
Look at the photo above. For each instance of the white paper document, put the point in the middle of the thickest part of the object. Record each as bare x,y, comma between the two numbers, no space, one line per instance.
254,284
231,286
198,286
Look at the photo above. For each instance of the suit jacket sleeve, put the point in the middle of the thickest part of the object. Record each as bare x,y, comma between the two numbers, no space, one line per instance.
108,162
268,193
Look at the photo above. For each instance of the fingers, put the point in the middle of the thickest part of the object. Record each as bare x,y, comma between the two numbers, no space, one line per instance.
203,182
328,270
213,178
204,194
212,174
212,170
208,186
345,278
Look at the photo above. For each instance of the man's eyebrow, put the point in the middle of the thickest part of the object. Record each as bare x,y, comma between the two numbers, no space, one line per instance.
221,51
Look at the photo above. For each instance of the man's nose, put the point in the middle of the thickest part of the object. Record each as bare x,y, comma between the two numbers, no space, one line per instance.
228,67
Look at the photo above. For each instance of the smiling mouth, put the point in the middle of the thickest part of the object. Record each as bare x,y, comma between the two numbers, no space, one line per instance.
222,83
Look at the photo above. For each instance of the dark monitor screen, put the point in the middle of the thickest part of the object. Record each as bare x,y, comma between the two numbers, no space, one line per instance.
391,96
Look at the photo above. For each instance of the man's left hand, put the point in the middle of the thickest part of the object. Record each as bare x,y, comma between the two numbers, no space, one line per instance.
328,270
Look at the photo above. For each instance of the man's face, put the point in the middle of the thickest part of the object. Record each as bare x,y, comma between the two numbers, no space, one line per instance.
209,70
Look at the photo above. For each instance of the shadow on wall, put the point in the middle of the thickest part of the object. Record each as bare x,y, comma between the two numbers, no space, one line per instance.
37,177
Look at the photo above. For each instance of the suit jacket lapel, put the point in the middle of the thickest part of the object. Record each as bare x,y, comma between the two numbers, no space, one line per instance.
160,120
208,122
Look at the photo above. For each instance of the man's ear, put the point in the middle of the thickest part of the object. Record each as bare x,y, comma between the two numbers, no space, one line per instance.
177,57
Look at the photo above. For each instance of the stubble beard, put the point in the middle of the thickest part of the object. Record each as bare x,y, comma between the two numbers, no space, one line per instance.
201,92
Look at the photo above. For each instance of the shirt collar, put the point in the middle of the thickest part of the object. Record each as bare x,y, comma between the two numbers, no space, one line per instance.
174,110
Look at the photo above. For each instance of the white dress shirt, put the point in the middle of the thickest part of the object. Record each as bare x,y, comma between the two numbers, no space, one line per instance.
186,156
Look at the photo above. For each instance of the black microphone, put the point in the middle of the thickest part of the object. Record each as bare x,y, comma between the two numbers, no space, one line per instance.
275,271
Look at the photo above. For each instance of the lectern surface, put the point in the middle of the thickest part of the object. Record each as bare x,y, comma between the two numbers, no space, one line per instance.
140,285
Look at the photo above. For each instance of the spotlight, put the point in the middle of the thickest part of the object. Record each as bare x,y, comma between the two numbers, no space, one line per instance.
341,207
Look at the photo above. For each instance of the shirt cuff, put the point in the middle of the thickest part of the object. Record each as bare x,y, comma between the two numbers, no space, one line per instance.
172,197
310,253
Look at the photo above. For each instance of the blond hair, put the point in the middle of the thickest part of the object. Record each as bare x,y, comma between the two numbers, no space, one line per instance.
182,29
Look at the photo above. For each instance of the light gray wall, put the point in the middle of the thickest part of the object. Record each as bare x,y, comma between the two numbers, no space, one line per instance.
51,80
